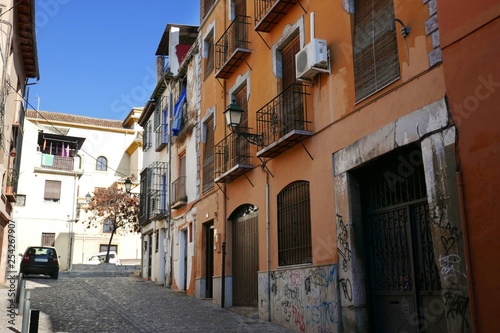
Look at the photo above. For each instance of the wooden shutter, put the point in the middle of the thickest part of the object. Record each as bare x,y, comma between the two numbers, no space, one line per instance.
208,156
376,62
52,190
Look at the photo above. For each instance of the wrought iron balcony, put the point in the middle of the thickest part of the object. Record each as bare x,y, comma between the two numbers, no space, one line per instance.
179,196
283,121
232,48
268,13
232,158
55,162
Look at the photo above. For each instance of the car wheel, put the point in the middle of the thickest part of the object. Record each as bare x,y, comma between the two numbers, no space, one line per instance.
55,275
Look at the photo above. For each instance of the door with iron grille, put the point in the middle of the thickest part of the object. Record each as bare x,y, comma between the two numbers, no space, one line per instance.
245,251
403,279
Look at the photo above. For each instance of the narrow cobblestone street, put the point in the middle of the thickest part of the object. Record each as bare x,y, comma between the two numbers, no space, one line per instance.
126,304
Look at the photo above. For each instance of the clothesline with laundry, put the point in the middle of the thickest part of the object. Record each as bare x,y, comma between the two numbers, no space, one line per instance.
55,148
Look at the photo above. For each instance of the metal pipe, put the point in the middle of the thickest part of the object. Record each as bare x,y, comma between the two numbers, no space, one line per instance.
468,270
26,312
22,291
267,251
312,26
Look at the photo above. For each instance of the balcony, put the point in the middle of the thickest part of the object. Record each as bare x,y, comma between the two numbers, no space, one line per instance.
179,196
232,48
283,121
269,13
12,177
59,163
232,158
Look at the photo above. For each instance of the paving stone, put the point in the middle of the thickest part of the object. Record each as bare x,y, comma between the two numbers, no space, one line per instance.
76,303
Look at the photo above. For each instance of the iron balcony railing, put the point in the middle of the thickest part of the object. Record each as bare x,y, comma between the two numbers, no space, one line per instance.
284,119
232,48
55,162
179,196
268,13
232,157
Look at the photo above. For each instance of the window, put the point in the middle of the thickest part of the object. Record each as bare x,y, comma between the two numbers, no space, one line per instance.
20,200
48,239
157,241
107,226
294,225
375,49
101,164
104,248
208,53
208,156
205,7
52,190
160,124
147,136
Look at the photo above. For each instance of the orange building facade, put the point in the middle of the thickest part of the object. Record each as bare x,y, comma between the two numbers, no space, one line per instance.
472,76
333,205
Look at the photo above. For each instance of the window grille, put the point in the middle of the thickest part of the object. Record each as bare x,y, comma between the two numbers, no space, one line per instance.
375,50
208,156
294,225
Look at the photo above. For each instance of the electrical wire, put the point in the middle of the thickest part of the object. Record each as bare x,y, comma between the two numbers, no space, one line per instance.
8,10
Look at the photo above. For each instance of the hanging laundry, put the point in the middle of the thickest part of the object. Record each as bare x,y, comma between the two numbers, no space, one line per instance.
67,150
51,148
57,149
44,144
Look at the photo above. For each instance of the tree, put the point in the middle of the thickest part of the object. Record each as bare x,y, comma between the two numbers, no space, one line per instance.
115,207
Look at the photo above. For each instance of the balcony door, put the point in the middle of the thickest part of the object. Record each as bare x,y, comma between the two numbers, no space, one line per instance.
291,115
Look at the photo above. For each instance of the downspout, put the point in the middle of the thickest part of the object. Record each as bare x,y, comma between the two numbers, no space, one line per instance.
267,251
224,216
465,233
169,182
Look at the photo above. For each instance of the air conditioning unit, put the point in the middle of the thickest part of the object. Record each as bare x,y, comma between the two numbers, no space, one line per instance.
312,59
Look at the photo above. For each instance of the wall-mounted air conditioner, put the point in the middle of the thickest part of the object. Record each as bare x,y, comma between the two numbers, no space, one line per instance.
312,59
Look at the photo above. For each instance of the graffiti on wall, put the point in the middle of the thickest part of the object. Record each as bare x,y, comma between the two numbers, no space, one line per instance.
302,299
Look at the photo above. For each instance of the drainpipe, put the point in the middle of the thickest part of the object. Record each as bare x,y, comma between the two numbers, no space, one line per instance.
224,216
169,176
465,233
267,251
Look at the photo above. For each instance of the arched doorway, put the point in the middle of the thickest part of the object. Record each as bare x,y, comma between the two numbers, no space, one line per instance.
245,252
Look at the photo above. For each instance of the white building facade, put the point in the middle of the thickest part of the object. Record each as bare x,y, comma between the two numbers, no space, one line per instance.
65,158
168,180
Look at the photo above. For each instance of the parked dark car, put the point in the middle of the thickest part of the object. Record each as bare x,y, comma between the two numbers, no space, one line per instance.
40,260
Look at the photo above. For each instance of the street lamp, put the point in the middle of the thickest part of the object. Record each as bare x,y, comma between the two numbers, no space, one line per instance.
233,118
128,185
88,197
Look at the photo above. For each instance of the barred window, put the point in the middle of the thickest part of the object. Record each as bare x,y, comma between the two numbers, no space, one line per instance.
375,49
208,156
294,225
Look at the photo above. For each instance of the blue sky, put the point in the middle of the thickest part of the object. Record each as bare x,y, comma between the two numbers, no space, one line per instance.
97,57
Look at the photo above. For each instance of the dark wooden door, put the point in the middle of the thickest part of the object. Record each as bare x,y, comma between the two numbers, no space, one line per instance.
209,260
245,253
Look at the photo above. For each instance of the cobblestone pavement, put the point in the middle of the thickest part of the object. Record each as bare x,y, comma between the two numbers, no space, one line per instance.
126,304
